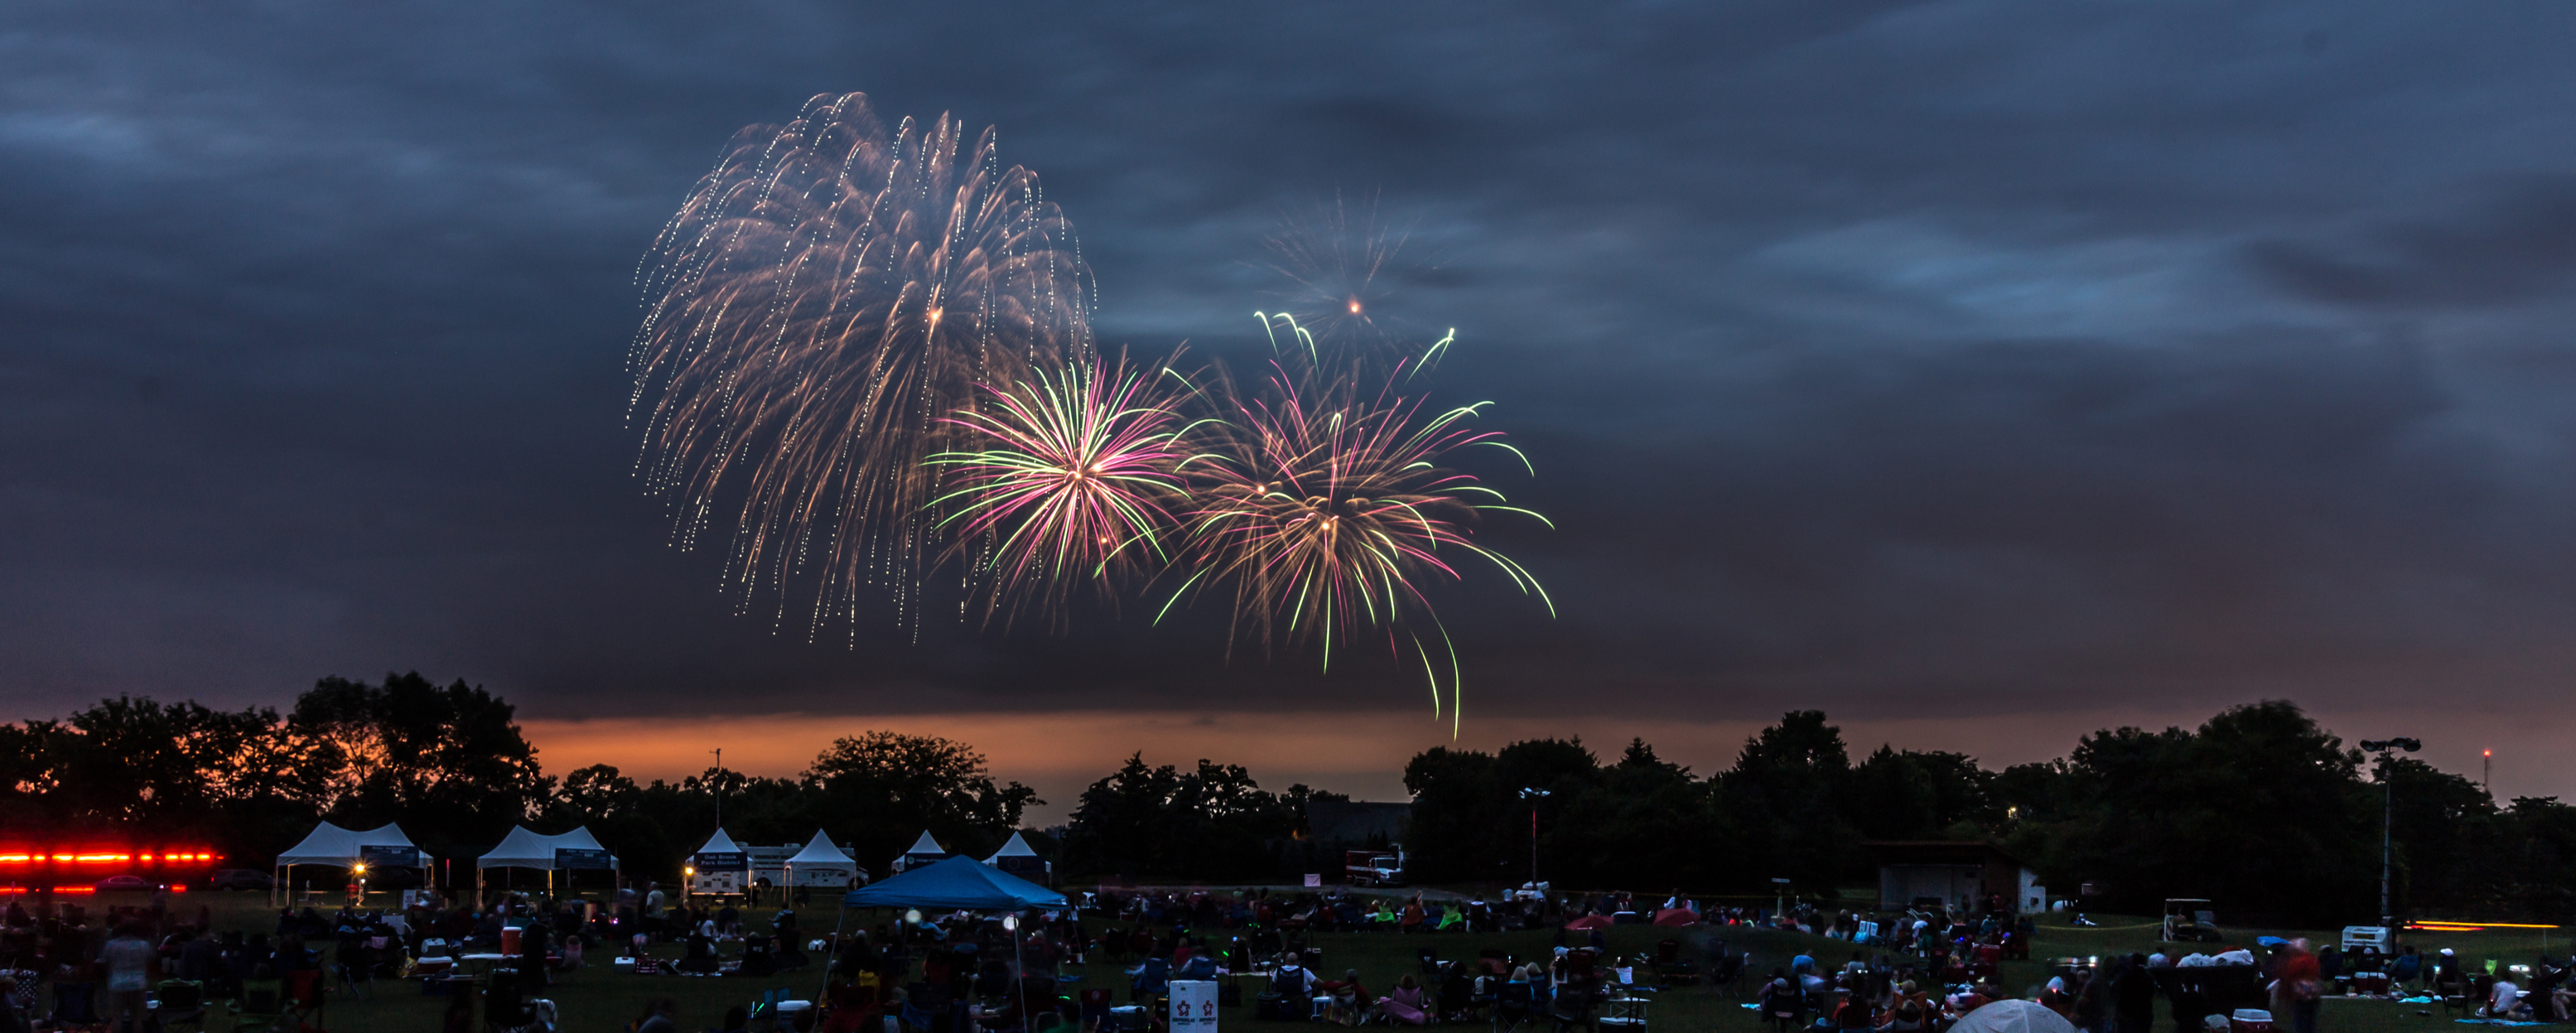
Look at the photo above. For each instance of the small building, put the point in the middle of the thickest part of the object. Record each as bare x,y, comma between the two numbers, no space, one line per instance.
1959,874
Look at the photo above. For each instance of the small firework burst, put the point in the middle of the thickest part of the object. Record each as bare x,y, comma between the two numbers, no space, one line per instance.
1071,482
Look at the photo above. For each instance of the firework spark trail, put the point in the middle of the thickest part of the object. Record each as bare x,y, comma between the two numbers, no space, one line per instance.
824,300
1318,509
1074,481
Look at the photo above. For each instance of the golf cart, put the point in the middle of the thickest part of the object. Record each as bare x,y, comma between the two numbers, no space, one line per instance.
2191,921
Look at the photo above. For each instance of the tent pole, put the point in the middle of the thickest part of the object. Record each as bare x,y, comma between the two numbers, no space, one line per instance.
832,949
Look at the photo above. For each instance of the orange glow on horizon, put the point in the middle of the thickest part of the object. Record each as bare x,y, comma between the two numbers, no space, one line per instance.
1362,752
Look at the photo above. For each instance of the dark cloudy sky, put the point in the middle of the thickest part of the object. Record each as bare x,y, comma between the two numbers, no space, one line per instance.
2004,364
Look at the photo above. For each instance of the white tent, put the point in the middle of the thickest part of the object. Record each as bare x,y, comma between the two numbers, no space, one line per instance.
821,864
721,844
924,851
2010,1016
332,845
329,844
1015,847
524,848
1017,858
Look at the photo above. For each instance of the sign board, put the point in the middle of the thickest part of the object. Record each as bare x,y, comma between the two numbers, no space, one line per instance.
389,856
1314,879
1193,1005
575,859
722,862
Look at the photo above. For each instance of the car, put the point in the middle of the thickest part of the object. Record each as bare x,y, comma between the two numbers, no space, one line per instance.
114,883
239,879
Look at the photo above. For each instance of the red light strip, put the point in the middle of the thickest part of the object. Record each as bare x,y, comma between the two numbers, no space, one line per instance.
107,858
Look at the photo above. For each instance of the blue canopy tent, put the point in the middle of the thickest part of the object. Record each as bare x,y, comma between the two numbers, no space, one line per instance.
958,882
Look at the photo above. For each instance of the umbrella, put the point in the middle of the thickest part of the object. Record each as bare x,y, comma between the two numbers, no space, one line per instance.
1589,922
2012,1017
1676,917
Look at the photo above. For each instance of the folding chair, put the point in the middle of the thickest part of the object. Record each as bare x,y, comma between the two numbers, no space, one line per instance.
75,1004
1512,1007
181,1003
262,1008
304,992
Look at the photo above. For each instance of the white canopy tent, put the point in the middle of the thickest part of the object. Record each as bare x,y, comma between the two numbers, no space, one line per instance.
1017,858
924,851
822,864
721,844
525,848
331,845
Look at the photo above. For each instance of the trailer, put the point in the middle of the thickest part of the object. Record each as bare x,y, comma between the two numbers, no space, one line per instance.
1374,867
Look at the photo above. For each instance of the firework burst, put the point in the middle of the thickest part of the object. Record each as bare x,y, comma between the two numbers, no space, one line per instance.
1072,481
1319,509
819,313
1335,267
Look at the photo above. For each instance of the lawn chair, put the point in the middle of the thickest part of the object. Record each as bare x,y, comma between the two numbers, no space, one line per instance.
1727,973
182,1003
1670,968
2453,990
356,968
75,1004
263,1008
304,992
1512,1007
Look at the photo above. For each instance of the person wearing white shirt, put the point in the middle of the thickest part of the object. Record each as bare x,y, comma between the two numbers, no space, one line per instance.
2506,1001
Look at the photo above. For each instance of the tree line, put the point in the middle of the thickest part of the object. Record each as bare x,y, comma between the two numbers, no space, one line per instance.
451,766
2258,808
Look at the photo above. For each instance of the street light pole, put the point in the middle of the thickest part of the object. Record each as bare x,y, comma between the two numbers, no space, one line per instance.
1533,796
2388,823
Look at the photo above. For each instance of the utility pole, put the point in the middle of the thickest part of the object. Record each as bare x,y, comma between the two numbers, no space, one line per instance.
717,784
2486,772
2388,823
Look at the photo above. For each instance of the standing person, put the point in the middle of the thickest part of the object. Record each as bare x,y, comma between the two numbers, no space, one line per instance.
2133,997
130,961
2296,987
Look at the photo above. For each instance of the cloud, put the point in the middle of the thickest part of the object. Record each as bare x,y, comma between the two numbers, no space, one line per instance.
1952,357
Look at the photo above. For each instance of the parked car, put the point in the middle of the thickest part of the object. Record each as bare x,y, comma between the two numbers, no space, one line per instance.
114,883
240,879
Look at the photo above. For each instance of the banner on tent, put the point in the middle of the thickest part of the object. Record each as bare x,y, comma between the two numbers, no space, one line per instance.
575,859
389,856
722,861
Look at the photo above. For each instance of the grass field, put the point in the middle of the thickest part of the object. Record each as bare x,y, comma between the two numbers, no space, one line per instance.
601,1000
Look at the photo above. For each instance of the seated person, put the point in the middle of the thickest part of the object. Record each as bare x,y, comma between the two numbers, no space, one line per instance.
1200,966
1853,1013
757,957
1151,979
1404,1004
2504,1001
701,957
1351,1001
